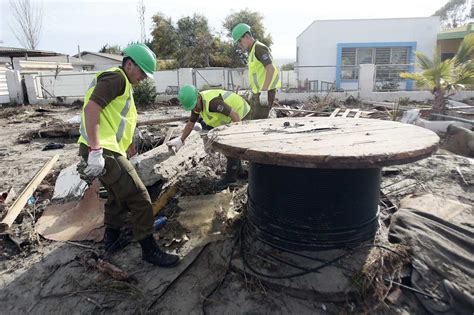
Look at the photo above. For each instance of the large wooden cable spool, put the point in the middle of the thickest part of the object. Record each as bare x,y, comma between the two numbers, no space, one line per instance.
314,182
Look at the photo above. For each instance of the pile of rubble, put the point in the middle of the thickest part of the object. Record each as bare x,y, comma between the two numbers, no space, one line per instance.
202,224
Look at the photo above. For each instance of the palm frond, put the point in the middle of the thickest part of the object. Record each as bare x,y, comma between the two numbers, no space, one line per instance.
465,50
423,61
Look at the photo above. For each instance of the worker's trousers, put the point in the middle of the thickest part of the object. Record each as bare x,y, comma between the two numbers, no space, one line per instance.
126,192
259,111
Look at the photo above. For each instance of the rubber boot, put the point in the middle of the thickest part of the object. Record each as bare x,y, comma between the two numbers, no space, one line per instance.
152,253
230,173
114,240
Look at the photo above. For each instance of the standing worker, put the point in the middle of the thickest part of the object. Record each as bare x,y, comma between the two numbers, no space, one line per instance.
217,108
109,118
263,76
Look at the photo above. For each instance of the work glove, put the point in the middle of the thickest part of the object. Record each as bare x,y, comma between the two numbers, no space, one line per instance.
175,144
264,98
95,164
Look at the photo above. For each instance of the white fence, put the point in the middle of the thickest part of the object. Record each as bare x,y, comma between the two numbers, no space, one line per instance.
67,87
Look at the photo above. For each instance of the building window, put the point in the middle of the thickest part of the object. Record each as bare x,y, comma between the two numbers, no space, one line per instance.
396,59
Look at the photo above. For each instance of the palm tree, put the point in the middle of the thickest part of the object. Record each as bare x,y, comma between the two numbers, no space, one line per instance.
445,78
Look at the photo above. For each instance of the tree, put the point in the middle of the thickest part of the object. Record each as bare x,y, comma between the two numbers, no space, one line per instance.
446,76
255,20
27,22
454,13
194,42
288,67
116,50
165,37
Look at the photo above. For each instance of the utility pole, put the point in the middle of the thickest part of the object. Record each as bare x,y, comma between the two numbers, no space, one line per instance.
141,18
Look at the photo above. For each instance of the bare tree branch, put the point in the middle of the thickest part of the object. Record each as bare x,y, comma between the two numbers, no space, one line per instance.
27,22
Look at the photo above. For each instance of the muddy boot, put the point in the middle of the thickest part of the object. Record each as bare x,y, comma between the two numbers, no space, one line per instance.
230,174
152,253
114,240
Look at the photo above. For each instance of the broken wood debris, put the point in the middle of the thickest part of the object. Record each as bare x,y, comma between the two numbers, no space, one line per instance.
72,130
90,259
22,199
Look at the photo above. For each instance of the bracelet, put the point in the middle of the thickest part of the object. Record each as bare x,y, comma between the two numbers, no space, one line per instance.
90,149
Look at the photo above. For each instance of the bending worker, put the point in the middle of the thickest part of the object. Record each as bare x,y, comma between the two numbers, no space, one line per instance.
109,118
263,76
217,108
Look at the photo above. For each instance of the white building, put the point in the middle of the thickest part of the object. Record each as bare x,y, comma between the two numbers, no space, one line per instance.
101,61
330,52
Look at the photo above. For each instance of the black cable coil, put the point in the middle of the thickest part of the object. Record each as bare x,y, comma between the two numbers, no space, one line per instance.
312,209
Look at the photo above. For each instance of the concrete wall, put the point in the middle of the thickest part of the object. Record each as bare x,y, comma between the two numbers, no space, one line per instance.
44,88
101,63
4,95
15,89
67,84
317,45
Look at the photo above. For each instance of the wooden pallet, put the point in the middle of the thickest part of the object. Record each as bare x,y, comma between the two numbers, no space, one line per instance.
348,113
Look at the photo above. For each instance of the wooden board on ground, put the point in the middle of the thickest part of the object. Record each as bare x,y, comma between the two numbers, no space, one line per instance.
319,142
21,201
347,113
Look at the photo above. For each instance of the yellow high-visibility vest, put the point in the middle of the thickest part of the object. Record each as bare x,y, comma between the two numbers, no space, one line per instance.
256,73
235,101
117,120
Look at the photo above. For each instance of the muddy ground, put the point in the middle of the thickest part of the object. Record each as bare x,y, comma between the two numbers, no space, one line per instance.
41,276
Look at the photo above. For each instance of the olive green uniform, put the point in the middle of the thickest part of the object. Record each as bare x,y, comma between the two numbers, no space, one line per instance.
126,191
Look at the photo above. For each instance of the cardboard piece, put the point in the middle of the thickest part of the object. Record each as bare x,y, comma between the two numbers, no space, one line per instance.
79,220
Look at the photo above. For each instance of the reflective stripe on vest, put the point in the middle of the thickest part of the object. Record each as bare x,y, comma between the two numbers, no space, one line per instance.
257,72
235,101
118,119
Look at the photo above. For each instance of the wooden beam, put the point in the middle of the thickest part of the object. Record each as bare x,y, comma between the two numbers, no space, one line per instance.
346,112
20,202
334,113
296,110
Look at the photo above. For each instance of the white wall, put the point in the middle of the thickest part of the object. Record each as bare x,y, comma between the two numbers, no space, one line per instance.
4,95
317,45
73,84
101,63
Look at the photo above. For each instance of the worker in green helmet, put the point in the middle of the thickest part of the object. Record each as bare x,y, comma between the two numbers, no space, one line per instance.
216,108
109,118
263,76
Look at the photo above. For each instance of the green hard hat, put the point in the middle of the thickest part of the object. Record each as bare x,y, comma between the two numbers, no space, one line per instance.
238,31
143,57
188,96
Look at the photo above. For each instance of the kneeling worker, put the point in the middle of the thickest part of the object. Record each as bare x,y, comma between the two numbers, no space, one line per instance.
217,108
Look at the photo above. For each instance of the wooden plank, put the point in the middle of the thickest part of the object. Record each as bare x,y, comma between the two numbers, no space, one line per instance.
354,143
295,110
334,113
20,202
357,114
346,112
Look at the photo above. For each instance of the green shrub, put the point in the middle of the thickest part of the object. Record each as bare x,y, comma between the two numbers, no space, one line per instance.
145,93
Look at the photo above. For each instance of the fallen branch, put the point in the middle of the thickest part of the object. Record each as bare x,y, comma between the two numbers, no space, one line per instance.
91,259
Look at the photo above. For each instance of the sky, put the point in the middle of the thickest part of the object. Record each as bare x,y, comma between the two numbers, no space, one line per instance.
92,24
